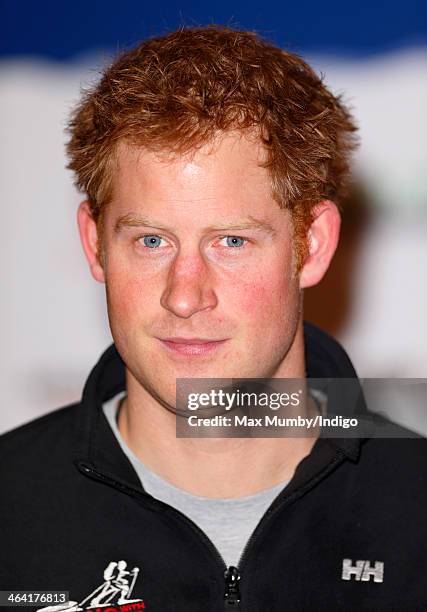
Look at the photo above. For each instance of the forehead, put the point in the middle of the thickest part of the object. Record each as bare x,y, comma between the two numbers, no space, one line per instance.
225,177
217,158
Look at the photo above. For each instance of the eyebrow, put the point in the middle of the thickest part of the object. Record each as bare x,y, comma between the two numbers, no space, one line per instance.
250,223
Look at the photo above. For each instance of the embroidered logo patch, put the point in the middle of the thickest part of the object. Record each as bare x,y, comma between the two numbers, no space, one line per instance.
362,570
112,595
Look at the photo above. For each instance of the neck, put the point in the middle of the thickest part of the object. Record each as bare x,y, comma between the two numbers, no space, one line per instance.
212,467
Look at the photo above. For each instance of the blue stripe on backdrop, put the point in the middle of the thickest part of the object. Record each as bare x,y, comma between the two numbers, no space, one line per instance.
62,30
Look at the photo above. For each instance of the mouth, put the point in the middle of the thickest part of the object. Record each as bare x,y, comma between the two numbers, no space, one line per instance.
192,346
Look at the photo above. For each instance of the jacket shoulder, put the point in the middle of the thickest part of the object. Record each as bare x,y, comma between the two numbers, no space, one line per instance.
38,433
403,449
393,466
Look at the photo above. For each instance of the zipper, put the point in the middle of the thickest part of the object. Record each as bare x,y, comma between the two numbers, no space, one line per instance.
89,471
232,575
232,591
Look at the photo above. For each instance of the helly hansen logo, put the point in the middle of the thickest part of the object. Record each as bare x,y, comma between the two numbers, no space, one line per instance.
362,570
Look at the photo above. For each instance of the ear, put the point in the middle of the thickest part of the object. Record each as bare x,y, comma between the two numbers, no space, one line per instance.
89,238
322,237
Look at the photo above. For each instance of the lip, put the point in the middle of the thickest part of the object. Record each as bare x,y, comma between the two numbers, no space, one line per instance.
192,346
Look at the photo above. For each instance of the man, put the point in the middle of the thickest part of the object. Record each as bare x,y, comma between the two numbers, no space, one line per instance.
212,164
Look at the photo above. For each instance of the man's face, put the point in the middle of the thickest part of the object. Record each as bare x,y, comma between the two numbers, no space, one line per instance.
198,265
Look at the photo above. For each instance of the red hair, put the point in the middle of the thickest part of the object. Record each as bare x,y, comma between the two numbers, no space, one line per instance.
177,91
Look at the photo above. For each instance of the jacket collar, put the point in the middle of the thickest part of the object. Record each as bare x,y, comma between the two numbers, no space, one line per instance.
97,445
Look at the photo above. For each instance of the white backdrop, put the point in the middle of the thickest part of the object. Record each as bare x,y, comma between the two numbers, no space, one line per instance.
53,317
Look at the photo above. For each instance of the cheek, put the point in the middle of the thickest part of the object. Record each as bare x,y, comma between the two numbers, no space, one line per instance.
126,293
264,299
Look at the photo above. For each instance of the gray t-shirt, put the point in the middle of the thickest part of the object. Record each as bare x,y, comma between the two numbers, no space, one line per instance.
228,523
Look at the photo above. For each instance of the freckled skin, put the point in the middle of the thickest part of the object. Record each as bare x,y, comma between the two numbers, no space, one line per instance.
194,284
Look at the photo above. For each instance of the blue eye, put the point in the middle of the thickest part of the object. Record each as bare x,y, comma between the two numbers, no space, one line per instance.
152,241
235,241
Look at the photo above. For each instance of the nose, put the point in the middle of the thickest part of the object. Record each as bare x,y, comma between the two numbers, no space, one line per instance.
189,287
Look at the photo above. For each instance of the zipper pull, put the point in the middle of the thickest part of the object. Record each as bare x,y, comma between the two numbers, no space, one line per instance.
232,592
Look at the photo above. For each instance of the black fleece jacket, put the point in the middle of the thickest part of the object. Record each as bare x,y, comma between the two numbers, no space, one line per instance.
349,532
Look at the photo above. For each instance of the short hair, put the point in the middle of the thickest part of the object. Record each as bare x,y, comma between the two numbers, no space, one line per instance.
178,91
